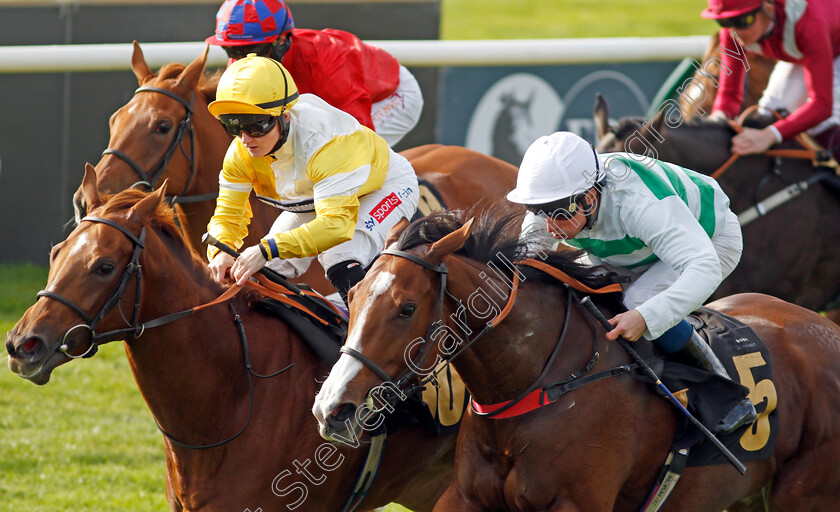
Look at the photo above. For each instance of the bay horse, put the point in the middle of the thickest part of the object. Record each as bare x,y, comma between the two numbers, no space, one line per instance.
166,132
198,374
792,252
599,447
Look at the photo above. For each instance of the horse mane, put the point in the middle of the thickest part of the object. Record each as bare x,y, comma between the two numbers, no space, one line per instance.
163,222
626,126
494,238
207,84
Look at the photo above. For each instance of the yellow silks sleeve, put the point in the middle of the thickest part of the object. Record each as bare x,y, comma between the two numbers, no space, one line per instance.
334,223
230,220
344,169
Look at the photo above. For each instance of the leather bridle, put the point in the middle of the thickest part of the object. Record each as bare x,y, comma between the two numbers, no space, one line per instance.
395,390
132,269
136,329
149,178
409,374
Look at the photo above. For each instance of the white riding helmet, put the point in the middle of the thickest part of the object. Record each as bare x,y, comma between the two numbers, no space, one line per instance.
555,167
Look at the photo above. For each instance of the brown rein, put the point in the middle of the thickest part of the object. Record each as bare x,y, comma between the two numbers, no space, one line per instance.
809,153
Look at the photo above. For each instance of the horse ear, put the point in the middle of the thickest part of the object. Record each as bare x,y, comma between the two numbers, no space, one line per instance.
90,190
450,243
395,232
654,125
601,115
139,66
189,77
146,207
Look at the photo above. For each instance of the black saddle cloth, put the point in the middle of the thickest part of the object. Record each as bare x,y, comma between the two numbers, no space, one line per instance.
747,360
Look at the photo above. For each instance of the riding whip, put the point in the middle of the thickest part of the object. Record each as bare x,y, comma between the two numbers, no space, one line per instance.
593,309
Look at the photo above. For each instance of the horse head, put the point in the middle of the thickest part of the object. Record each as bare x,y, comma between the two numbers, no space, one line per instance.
700,144
425,301
514,128
93,294
159,133
404,299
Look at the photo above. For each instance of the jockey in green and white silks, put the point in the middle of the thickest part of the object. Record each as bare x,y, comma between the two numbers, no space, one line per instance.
670,227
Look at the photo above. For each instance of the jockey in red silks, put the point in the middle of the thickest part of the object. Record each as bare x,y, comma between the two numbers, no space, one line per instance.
362,80
804,35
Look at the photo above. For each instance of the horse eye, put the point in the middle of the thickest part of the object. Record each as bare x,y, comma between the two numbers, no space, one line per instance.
163,127
408,310
104,269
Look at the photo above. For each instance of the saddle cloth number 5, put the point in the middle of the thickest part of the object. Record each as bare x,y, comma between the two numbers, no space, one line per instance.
758,434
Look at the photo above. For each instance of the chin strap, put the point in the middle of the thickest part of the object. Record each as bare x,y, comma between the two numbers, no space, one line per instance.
284,133
592,213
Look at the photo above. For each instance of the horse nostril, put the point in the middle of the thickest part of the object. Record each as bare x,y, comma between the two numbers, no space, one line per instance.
338,417
31,345
10,348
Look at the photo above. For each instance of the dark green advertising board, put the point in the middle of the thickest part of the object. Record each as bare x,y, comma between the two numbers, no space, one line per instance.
501,110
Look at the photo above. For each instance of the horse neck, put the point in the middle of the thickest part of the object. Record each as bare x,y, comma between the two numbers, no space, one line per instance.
191,372
697,146
511,356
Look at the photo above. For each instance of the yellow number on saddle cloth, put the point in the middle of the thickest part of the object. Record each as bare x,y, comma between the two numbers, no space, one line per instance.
758,433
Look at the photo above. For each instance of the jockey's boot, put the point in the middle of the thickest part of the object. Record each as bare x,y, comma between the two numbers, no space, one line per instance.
344,276
701,353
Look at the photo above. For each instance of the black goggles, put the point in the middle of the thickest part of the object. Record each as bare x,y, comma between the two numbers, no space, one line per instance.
560,209
741,21
240,52
255,125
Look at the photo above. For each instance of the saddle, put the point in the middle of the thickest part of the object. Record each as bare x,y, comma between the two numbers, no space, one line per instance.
438,406
747,360
430,199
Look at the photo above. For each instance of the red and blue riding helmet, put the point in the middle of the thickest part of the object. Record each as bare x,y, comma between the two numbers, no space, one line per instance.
247,22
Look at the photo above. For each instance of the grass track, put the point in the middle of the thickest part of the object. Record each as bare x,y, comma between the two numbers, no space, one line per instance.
86,442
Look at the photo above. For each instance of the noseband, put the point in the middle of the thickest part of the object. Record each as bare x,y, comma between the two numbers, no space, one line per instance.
135,329
425,349
150,178
547,394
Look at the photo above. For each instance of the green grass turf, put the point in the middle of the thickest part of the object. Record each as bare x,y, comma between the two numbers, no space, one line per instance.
537,19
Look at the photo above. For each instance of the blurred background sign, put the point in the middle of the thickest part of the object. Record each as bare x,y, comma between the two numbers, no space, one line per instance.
500,111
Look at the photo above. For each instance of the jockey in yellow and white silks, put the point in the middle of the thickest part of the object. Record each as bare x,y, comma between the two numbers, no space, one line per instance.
341,187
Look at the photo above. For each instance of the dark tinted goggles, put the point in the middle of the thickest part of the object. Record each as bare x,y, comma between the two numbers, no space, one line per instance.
255,125
741,21
240,52
560,209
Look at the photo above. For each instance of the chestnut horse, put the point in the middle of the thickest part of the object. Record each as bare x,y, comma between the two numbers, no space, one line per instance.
793,252
166,132
196,373
599,447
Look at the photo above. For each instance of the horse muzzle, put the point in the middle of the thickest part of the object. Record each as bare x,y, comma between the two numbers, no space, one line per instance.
30,358
339,424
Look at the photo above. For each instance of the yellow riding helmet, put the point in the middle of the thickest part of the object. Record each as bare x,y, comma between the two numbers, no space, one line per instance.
254,85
